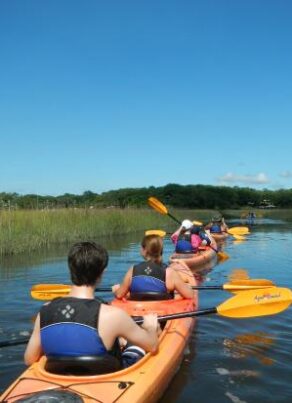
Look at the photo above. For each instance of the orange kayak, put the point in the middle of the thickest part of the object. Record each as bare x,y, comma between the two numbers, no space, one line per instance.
195,260
144,381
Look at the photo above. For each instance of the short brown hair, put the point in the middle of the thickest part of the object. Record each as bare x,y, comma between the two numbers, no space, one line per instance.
87,261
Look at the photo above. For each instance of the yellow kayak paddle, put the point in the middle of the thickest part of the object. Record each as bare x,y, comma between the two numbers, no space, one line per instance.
247,304
45,292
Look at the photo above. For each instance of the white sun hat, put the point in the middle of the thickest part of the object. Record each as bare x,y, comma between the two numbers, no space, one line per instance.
187,224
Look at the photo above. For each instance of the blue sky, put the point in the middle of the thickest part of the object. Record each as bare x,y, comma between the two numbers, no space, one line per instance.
100,95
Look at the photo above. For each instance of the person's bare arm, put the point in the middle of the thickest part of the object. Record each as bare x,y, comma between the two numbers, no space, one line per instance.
175,235
174,282
33,349
121,290
224,226
115,322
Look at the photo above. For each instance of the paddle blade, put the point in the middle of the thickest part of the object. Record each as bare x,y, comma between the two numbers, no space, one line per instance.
252,281
239,237
253,303
238,230
197,223
158,232
249,284
46,292
222,256
157,205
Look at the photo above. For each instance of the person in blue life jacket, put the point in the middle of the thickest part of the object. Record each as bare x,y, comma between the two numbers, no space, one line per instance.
217,225
188,238
251,216
200,231
152,279
81,325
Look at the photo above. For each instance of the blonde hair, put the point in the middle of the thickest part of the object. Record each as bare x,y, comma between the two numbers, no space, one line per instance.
153,246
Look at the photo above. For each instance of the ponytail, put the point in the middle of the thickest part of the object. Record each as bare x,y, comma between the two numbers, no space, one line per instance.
153,246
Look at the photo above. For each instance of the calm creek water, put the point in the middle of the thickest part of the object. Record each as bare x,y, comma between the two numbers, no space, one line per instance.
227,360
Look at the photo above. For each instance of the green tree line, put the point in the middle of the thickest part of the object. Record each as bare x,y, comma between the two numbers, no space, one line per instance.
175,195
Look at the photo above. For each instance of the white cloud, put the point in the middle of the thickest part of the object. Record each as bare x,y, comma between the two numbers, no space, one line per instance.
258,179
286,174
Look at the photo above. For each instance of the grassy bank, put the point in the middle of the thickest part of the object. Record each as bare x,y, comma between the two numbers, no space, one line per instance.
28,230
24,231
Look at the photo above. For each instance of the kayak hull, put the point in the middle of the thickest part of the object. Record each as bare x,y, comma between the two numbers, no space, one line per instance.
143,382
196,260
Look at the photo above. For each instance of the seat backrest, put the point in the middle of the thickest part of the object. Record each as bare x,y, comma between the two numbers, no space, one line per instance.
150,296
83,365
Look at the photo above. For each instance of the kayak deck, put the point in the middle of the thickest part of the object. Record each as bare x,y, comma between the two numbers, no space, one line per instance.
193,260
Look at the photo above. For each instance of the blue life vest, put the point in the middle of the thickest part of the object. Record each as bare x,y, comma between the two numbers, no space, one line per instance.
148,277
204,237
184,244
69,327
215,229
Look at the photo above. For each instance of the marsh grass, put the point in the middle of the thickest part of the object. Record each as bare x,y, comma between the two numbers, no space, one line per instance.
29,230
25,231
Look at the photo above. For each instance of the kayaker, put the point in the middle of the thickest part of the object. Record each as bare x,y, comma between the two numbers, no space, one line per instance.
80,324
188,238
152,279
217,225
205,238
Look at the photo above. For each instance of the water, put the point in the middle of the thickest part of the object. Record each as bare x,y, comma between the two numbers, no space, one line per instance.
227,360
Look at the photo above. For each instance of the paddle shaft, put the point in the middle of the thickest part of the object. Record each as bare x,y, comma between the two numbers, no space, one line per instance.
182,315
244,305
138,320
214,249
194,287
14,342
175,219
45,292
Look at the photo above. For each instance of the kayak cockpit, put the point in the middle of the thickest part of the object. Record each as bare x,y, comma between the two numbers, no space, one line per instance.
150,296
82,365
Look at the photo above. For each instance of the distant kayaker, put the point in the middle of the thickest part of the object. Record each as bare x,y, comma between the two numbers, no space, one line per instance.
152,279
217,225
80,324
251,216
189,237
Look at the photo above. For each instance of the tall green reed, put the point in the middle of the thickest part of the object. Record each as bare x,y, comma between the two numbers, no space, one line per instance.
28,230
24,231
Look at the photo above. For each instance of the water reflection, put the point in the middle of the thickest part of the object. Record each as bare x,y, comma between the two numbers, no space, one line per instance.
238,274
254,345
120,245
176,392
201,272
